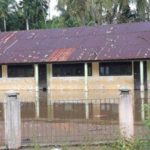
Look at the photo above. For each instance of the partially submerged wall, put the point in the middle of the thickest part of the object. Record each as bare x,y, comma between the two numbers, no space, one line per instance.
68,83
18,83
112,82
94,82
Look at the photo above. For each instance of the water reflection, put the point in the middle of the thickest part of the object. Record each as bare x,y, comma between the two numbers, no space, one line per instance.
95,104
1,111
140,99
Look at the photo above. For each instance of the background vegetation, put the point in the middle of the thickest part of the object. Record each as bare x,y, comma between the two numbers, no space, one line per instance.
32,14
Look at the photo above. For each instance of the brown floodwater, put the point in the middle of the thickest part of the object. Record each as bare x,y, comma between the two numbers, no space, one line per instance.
95,104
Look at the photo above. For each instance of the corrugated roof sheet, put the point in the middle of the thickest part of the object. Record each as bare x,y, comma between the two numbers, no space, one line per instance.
109,42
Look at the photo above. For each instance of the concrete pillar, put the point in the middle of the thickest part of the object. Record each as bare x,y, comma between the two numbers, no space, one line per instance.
86,77
49,76
126,117
36,75
4,71
141,75
95,69
148,74
12,121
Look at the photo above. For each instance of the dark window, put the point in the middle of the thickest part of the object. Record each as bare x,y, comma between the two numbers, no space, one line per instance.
20,71
115,68
61,70
0,71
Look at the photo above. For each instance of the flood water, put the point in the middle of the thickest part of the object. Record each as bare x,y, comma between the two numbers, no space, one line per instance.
102,104
72,114
72,103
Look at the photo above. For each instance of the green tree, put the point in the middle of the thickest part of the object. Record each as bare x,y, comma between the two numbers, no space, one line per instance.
142,9
93,12
73,12
6,8
124,14
34,13
15,22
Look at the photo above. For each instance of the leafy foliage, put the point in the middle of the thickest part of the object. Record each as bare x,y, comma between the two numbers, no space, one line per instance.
32,14
34,11
131,144
7,7
147,110
93,12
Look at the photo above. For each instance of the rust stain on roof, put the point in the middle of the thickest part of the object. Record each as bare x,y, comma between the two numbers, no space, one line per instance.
61,54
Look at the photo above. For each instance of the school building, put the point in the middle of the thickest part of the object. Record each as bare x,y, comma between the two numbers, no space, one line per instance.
84,58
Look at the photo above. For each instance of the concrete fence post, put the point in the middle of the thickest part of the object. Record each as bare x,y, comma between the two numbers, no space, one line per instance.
12,121
126,118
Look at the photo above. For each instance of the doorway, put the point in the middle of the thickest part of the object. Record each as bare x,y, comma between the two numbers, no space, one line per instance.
42,77
137,75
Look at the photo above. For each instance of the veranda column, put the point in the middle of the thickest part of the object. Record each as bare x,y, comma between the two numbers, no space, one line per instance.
95,69
4,71
86,77
148,74
49,76
141,75
36,74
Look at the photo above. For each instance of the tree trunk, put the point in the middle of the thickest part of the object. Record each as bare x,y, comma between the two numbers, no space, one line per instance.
4,21
27,24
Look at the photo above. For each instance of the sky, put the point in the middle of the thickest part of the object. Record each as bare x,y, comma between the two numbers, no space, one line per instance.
52,9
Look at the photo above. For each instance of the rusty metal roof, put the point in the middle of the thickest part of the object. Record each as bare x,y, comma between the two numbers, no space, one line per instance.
109,42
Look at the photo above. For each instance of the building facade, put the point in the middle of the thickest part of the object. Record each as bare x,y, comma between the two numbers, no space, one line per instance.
75,76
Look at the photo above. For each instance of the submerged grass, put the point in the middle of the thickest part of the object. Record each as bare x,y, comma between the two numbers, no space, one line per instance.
85,147
120,144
